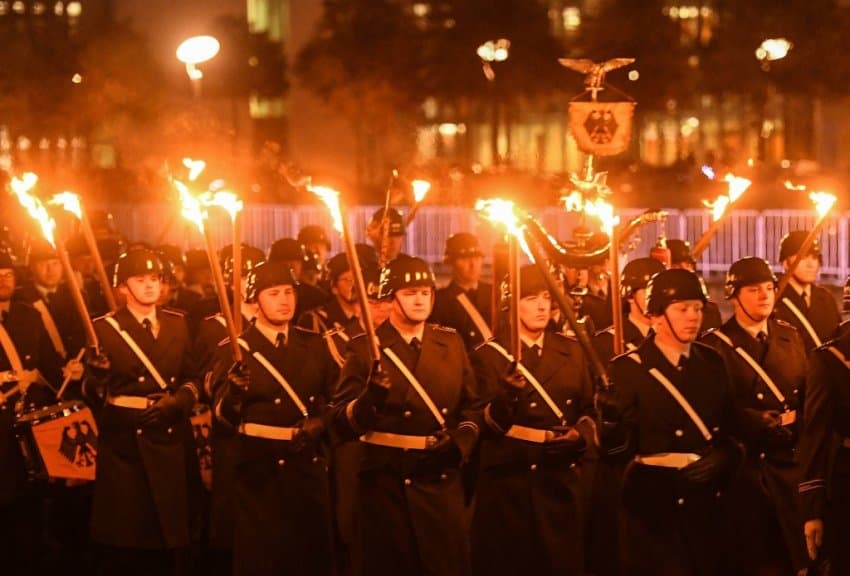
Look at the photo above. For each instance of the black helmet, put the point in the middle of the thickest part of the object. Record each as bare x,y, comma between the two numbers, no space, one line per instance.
267,274
845,297
287,250
338,265
671,286
251,257
531,282
40,249
462,245
405,272
172,252
395,220
136,263
746,272
680,251
7,260
793,241
197,260
636,275
313,234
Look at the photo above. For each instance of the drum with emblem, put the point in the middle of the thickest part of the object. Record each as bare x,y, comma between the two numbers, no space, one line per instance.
58,441
201,420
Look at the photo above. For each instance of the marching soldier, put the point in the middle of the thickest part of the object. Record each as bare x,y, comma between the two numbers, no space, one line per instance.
141,511
676,411
809,308
528,515
465,304
766,361
417,417
290,252
824,493
681,257
277,402
316,245
596,303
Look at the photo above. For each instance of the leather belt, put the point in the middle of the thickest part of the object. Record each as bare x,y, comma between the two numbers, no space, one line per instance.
403,441
133,402
677,460
267,432
535,435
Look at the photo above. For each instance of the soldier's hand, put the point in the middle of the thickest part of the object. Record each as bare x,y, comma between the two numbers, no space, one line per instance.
513,381
378,387
167,410
310,430
98,364
238,379
708,468
443,450
777,436
813,529
565,441
73,370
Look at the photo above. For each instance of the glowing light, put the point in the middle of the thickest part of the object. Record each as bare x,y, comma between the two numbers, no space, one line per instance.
737,187
823,201
494,50
190,206
195,168
197,49
503,212
420,190
76,79
773,49
598,208
21,188
225,199
331,199
69,201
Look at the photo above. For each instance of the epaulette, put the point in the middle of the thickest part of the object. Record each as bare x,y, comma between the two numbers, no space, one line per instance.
784,324
212,316
321,312
481,345
443,328
305,330
173,312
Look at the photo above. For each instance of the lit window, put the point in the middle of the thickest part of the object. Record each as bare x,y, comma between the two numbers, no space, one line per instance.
44,144
18,7
4,8
38,8
572,18
74,9
59,8
61,143
421,9
24,143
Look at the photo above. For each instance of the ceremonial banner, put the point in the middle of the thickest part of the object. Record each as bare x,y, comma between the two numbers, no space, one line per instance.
601,128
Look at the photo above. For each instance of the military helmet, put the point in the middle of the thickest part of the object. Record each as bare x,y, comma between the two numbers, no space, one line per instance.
462,245
531,282
680,251
338,265
287,250
746,272
396,222
136,263
267,274
671,286
636,275
793,241
405,272
313,234
251,257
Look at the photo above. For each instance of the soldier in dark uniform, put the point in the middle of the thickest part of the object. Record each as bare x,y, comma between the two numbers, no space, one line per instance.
394,236
277,400
179,296
83,263
676,411
28,362
317,246
465,304
766,361
292,254
141,512
825,481
417,416
529,515
809,308
596,303
681,257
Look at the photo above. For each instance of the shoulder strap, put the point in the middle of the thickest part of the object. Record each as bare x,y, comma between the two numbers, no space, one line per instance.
10,350
146,362
474,315
774,389
538,387
677,396
275,373
837,353
803,320
50,326
416,386
220,319
328,335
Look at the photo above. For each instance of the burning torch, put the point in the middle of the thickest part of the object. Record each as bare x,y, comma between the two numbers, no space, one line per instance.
231,203
420,191
720,207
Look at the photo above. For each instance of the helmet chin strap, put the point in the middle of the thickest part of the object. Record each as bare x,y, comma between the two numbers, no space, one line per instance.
744,309
673,331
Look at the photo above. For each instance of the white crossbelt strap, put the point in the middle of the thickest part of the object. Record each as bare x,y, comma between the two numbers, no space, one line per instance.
677,396
474,315
220,319
803,320
837,353
10,350
538,387
753,364
50,326
146,362
416,386
329,340
277,376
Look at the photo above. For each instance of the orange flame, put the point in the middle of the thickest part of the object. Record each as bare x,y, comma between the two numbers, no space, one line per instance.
21,187
504,212
331,199
68,201
195,168
824,201
737,187
420,190
599,208
223,198
191,207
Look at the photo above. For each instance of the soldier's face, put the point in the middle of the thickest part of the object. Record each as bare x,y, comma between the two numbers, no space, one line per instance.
380,310
535,311
47,273
757,300
681,321
468,269
320,249
414,304
277,304
807,270
7,284
344,287
144,289
640,299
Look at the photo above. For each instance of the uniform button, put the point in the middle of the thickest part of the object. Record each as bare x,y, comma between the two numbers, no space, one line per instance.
569,401
718,494
312,398
141,378
444,476
533,405
760,396
796,391
472,333
170,430
138,431
762,455
572,466
315,459
28,357
679,433
533,467
277,400
173,379
2,407
680,501
281,462
408,413
444,411
716,429
408,481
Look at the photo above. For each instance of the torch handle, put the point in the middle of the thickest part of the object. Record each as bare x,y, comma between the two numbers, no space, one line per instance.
616,296
356,270
705,240
513,275
221,292
412,214
798,257
237,273
100,269
77,294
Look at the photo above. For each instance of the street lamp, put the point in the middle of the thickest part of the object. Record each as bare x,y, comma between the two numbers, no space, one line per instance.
194,51
491,52
770,50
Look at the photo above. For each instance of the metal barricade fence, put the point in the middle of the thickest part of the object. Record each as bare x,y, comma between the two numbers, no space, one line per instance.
743,233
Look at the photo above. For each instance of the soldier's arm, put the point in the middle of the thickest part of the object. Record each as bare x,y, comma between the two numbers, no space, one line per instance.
621,436
472,408
346,421
226,405
586,423
816,434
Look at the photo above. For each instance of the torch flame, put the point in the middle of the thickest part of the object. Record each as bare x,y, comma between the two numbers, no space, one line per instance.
191,208
718,207
68,201
574,202
599,208
791,186
824,201
331,199
21,187
420,190
225,199
737,187
503,212
195,168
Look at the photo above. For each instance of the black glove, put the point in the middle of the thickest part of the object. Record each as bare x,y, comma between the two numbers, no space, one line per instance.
238,379
310,430
97,364
707,469
567,443
776,436
377,387
513,381
169,409
443,452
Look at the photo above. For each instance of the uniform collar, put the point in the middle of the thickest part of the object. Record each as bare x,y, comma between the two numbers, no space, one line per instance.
671,353
270,333
407,336
530,343
141,317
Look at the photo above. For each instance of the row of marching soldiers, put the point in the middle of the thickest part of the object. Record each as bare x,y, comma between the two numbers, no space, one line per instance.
720,451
